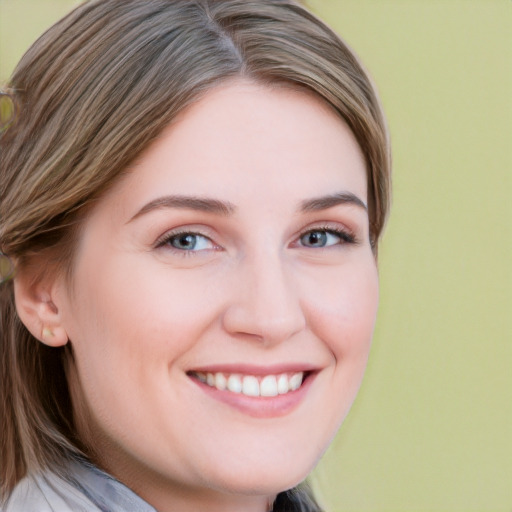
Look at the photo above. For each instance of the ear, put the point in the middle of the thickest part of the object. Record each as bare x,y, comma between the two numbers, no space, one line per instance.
38,310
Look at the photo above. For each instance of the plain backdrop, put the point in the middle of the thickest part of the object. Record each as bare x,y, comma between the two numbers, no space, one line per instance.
431,429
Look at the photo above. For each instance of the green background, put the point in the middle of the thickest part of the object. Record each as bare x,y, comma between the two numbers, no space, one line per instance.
431,429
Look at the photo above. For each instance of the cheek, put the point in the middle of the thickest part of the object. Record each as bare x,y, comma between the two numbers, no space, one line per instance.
343,318
130,330
136,321
344,310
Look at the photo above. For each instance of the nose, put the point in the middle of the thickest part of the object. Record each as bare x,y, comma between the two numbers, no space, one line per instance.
265,304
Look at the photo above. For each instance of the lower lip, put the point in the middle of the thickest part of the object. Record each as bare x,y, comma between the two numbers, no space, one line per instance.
260,406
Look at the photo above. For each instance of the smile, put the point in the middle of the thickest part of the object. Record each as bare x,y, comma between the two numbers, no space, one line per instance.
250,385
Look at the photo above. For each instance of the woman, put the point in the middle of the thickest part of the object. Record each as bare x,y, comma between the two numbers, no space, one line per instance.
192,194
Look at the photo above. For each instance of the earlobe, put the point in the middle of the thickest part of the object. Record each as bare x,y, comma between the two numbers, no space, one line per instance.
39,313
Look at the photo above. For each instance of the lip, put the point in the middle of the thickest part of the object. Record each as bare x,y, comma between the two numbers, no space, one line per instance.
258,407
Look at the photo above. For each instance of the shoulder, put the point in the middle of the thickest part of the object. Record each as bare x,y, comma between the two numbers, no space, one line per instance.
47,492
84,488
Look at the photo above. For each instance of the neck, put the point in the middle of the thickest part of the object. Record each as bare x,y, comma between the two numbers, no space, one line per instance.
209,501
165,496
168,496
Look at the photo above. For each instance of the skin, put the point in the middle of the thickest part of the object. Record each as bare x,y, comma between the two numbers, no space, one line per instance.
142,314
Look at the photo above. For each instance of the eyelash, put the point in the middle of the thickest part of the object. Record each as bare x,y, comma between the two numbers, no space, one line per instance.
345,236
166,240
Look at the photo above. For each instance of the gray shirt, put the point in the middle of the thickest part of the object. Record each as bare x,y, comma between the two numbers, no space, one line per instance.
85,489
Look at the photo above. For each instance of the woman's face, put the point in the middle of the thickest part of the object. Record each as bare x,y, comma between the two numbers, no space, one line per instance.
224,298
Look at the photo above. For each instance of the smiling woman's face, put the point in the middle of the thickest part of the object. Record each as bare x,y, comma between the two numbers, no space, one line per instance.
235,254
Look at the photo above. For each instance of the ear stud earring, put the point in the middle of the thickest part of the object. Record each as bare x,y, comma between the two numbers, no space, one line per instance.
53,338
47,333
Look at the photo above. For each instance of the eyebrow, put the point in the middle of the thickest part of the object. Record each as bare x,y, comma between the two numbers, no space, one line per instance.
202,204
329,201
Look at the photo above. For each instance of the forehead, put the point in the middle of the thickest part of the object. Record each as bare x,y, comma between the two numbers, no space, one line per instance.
244,141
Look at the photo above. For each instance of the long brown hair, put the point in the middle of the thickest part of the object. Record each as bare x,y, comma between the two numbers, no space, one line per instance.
90,95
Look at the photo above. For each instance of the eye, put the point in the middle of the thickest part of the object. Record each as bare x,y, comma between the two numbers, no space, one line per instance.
318,238
187,241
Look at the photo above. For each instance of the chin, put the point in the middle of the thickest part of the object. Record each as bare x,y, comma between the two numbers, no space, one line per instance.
263,478
256,484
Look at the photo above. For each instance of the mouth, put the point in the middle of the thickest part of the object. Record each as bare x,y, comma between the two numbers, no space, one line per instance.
252,385
254,391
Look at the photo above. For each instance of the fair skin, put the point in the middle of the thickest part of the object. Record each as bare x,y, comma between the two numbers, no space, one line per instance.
270,276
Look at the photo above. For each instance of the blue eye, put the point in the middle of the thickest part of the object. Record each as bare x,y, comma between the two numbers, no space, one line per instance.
188,242
318,238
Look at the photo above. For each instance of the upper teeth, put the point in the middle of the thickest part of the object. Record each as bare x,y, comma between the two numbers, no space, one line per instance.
269,385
